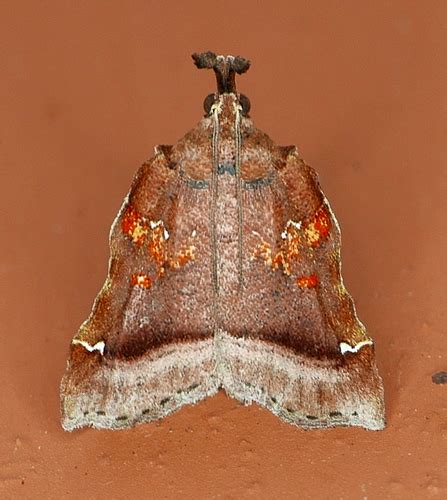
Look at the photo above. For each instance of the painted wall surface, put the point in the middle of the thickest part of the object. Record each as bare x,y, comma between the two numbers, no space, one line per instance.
87,88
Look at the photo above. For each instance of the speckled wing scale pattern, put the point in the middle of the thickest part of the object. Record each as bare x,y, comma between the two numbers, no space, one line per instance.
224,274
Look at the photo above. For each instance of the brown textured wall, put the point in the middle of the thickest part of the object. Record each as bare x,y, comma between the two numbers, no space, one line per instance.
86,90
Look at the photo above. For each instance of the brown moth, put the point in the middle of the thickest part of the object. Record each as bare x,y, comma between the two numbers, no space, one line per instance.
224,274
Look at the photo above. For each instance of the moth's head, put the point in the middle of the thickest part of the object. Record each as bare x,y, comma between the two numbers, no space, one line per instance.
225,69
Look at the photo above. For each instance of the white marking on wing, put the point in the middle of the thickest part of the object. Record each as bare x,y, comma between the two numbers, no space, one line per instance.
99,346
344,347
296,225
154,224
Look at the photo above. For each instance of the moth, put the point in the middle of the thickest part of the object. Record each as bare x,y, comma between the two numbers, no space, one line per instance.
224,274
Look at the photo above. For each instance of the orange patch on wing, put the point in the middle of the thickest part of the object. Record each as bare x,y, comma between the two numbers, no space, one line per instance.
157,248
142,280
288,253
296,238
318,228
183,257
264,251
134,226
307,281
154,236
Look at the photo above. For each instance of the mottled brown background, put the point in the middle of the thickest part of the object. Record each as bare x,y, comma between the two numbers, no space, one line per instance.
87,88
